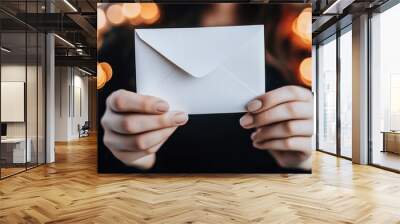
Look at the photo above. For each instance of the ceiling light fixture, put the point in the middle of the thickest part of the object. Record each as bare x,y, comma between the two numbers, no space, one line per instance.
5,50
65,41
337,7
70,5
84,71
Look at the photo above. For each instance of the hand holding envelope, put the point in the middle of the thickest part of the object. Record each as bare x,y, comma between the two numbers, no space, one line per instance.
201,70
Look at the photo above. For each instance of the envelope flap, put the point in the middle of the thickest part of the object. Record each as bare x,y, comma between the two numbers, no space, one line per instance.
197,51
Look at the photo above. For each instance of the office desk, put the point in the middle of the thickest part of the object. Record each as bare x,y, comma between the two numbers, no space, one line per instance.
13,150
391,141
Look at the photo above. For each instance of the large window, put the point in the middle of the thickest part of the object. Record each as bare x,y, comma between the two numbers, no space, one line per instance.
327,96
335,73
346,92
385,89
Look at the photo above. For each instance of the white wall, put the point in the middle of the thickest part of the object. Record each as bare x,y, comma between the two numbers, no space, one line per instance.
70,83
16,73
61,104
33,127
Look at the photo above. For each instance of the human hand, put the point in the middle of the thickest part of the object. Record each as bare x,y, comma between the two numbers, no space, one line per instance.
136,126
283,119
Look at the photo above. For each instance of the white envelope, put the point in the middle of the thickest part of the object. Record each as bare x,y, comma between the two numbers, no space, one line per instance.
201,70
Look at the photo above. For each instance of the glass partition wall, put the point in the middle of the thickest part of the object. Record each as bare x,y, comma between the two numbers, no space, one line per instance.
385,89
334,104
22,78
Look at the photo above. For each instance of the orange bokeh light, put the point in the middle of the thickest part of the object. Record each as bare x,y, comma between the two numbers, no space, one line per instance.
131,10
104,74
114,14
302,25
107,70
305,71
149,13
101,20
101,77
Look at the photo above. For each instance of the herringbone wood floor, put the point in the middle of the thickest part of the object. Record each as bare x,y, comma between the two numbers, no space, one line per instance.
70,191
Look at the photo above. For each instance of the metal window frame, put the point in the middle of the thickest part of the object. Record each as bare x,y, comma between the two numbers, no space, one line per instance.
381,9
334,37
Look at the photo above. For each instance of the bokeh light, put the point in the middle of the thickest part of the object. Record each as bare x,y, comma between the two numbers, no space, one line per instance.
101,20
305,71
101,77
131,10
302,26
99,39
107,70
104,74
149,12
114,14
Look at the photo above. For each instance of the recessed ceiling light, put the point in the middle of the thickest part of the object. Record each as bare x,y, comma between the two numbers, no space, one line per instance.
5,49
84,71
70,5
64,40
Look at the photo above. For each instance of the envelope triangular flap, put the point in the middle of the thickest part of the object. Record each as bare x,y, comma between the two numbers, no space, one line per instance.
198,51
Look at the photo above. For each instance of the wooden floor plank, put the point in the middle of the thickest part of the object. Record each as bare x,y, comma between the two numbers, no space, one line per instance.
71,191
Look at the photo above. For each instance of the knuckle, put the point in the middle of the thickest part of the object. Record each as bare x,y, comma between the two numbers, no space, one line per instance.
118,102
290,127
103,121
145,103
281,162
291,109
164,121
128,126
304,155
112,96
139,143
262,118
289,143
107,140
151,151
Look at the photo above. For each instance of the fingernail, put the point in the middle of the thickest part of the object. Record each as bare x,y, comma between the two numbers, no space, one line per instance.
254,105
180,118
246,120
162,106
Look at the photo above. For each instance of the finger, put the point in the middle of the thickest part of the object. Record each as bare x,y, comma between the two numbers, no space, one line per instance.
283,112
300,144
128,158
139,123
291,159
123,101
278,96
284,130
133,158
135,143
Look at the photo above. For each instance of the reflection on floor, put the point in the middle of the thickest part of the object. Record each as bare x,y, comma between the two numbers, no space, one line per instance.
387,159
346,152
71,191
9,170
